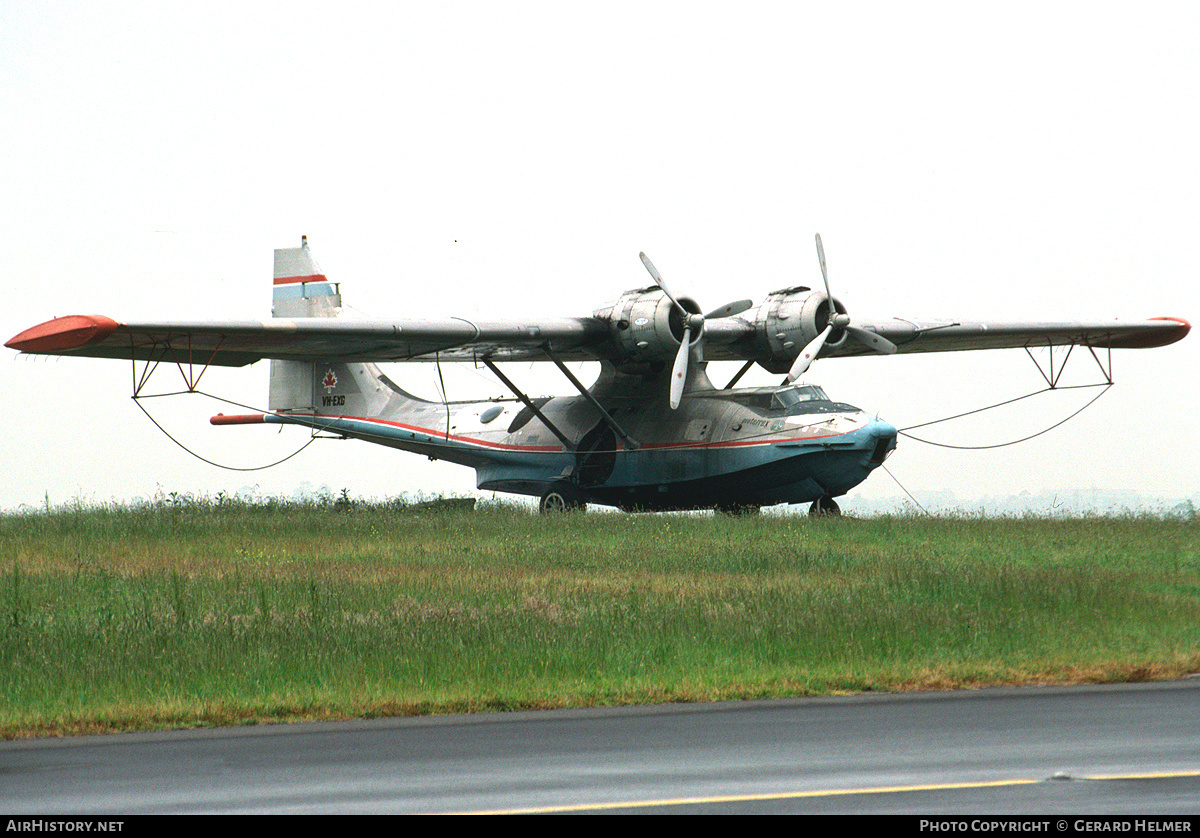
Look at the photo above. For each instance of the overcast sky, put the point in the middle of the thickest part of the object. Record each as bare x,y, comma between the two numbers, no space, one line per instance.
1002,161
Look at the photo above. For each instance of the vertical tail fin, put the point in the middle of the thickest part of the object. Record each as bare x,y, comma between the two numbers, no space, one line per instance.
300,290
333,387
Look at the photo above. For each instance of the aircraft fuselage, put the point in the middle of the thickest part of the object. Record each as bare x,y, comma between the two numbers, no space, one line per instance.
720,448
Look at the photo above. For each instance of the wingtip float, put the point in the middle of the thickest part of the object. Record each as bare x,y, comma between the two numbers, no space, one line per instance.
1151,341
64,333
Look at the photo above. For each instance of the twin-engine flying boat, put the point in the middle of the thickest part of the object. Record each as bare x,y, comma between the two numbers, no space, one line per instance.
651,433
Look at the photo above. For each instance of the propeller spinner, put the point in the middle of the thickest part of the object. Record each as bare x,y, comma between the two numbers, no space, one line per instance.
691,321
836,320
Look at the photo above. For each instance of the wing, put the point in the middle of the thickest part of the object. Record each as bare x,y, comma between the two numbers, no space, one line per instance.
642,330
953,336
237,343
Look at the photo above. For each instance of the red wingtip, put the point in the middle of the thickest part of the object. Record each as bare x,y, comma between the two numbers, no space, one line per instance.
1183,327
64,333
1163,338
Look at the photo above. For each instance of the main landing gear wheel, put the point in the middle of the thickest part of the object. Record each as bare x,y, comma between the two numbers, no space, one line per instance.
824,507
562,497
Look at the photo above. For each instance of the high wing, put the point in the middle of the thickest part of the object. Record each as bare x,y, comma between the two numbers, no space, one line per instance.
237,343
644,331
950,336
760,336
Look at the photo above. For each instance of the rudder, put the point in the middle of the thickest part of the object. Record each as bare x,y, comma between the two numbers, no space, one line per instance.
300,289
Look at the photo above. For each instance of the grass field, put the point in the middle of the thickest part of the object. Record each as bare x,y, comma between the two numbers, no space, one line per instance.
190,613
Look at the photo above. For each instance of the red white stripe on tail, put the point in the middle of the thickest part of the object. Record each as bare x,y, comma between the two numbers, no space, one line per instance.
301,288
295,264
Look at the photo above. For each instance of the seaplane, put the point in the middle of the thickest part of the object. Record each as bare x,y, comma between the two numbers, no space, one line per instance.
651,433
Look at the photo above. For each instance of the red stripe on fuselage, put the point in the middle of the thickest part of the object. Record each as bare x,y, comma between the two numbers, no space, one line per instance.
739,443
735,443
441,433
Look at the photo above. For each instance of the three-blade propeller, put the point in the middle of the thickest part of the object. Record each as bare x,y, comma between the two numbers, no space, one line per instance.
691,321
838,320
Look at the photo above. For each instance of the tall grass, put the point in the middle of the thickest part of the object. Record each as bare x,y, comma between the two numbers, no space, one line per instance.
219,612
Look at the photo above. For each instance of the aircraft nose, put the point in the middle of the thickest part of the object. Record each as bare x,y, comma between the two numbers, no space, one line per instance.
884,434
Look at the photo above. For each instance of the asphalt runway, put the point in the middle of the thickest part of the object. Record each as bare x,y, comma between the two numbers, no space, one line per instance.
1119,749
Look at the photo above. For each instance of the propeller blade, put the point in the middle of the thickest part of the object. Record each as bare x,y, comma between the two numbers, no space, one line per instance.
690,321
658,280
834,319
877,342
807,354
679,371
650,267
824,273
730,309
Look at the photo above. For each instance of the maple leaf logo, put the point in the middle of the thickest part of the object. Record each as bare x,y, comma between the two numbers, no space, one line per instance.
329,381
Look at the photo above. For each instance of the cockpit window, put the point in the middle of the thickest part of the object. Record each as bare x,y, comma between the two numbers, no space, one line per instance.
796,400
787,397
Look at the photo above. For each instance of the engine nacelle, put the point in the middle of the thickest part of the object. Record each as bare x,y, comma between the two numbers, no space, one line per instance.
788,319
646,326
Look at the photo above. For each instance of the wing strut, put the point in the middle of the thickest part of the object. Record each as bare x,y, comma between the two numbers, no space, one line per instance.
570,446
1051,377
745,369
191,378
629,441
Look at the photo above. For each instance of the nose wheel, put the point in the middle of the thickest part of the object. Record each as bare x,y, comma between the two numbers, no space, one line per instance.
824,507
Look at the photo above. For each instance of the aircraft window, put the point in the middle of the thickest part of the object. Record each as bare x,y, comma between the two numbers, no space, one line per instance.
791,396
758,401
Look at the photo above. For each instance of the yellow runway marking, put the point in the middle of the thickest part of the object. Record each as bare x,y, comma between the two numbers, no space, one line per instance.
746,798
743,798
